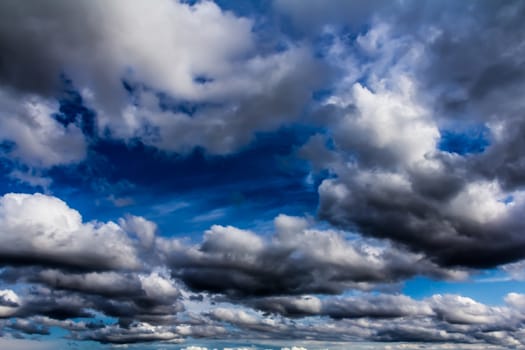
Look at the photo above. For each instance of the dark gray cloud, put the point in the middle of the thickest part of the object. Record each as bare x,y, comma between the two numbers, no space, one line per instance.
74,269
298,259
368,306
147,297
135,333
450,237
443,70
53,304
28,327
363,317
448,319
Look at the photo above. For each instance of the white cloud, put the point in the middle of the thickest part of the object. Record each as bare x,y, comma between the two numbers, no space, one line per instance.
459,309
515,270
99,43
9,303
43,229
39,140
144,229
158,287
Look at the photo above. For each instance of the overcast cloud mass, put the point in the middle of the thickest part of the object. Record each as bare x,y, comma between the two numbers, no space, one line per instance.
266,174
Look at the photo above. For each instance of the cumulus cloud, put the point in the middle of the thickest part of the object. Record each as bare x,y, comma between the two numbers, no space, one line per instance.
39,229
9,302
515,270
297,259
449,319
195,54
54,297
36,137
135,333
392,179
371,306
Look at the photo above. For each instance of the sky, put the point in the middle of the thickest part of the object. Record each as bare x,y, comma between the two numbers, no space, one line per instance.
262,174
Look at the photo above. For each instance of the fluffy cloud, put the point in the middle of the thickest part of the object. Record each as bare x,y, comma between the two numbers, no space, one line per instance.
9,303
40,229
178,54
122,36
37,138
450,319
380,306
297,259
135,333
393,178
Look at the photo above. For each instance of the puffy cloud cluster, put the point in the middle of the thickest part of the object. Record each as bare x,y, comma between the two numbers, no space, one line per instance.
297,259
137,65
389,318
386,119
77,269
262,283
9,302
43,229
121,270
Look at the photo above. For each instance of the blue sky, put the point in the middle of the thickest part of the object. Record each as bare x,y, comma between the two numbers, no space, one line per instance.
273,174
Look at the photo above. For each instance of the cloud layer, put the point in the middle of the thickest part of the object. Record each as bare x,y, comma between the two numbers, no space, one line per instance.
400,124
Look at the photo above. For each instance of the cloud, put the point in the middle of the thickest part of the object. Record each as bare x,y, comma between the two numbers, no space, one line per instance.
9,303
370,306
53,295
28,327
439,319
178,54
515,270
42,230
391,179
135,333
37,138
297,259
112,30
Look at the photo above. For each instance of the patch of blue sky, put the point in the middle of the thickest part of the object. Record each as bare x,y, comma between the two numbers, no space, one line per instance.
323,94
254,185
507,200
73,110
9,183
249,188
465,141
490,287
246,8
